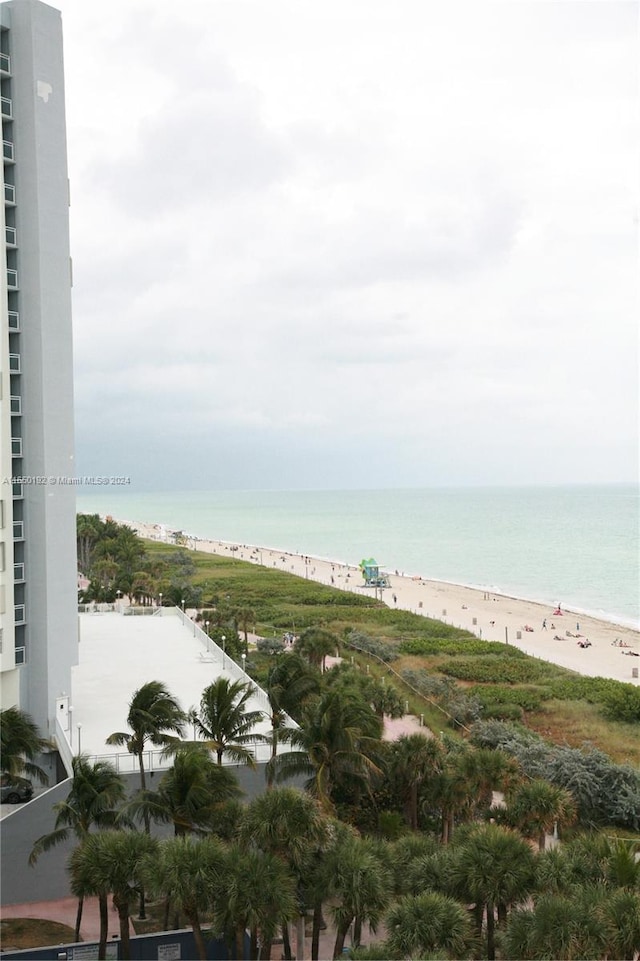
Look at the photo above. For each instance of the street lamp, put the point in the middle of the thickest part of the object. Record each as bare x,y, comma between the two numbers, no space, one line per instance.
182,602
244,661
160,599
79,737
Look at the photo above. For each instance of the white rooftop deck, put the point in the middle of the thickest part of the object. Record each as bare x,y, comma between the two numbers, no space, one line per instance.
121,652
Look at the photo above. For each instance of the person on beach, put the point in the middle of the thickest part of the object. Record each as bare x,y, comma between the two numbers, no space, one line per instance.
544,624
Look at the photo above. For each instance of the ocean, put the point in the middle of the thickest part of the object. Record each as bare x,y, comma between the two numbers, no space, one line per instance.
576,545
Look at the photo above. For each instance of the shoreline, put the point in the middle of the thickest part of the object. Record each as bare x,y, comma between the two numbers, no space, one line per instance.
488,614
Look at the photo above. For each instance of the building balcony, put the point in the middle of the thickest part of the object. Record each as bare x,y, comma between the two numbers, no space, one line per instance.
8,153
15,405
18,530
14,320
21,656
18,573
11,236
17,492
9,195
16,446
6,108
12,278
5,64
15,366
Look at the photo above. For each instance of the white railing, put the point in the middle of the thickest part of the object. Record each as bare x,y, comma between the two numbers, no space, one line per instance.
64,748
229,666
158,760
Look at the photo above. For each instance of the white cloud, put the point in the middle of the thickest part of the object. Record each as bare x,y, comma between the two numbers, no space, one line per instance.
321,231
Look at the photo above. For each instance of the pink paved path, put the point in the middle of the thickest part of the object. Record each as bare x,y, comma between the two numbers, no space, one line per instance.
64,911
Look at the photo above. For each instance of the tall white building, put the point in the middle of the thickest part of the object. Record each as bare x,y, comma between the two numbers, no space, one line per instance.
38,596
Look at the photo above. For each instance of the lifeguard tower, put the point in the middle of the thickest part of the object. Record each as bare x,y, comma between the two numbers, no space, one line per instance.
373,576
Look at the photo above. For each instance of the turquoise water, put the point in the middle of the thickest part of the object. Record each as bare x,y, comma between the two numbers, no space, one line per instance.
576,545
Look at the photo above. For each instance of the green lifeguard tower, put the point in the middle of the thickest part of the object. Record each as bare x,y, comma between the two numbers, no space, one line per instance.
373,576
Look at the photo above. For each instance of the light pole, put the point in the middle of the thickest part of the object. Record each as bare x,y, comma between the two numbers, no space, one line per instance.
223,650
182,602
244,661
206,628
160,599
79,737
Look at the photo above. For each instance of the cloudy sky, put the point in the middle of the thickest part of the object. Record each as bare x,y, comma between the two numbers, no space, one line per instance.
359,243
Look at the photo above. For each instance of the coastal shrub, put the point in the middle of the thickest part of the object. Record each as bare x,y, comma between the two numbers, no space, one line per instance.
503,712
428,684
591,689
605,793
270,645
429,646
493,668
371,645
622,703
527,698
462,708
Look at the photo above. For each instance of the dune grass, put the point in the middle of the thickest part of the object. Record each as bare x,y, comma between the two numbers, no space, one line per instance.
285,602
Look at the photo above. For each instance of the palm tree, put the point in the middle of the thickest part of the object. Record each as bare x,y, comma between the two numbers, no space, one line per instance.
292,682
259,892
96,792
190,872
428,923
534,807
316,644
339,737
487,770
362,885
245,618
285,687
225,723
588,923
88,533
495,868
413,759
115,860
406,852
85,866
448,791
190,793
290,825
20,744
620,918
154,716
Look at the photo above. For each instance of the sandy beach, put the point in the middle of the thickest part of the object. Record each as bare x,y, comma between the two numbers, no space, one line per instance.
559,638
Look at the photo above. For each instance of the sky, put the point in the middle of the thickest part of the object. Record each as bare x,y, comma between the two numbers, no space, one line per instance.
374,243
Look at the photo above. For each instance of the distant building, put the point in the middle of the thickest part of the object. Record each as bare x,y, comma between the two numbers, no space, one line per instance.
38,573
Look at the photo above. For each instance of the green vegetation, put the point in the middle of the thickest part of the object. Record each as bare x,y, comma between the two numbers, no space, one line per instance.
393,832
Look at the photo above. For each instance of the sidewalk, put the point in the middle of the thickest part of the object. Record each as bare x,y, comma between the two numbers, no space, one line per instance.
65,911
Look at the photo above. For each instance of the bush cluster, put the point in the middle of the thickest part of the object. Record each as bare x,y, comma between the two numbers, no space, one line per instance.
526,698
620,701
427,646
605,793
496,669
371,645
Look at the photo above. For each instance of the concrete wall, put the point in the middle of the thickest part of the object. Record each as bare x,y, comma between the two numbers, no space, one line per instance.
48,880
